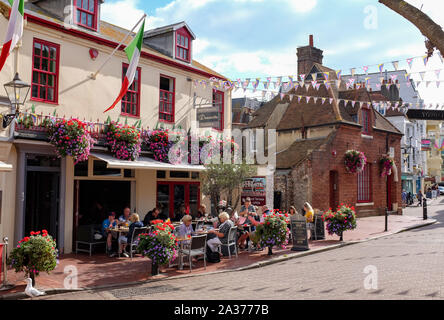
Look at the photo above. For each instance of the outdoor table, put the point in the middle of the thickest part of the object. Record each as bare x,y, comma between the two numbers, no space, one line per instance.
119,231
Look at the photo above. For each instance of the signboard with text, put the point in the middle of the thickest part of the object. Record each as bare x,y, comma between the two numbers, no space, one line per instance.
208,117
255,189
426,145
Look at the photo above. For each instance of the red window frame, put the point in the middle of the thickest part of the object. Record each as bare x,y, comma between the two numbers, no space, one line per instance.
219,103
365,184
128,106
79,11
366,120
171,185
166,115
40,76
183,48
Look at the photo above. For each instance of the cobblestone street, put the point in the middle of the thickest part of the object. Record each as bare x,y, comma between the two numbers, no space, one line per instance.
409,266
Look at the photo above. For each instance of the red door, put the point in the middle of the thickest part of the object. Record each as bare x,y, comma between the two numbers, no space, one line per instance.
172,195
334,189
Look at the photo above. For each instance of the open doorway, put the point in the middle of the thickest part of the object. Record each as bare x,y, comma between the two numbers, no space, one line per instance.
94,199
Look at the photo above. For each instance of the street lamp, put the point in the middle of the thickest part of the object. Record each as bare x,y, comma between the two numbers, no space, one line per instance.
17,92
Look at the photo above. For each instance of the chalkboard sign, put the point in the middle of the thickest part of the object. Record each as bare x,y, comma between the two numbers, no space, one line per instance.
320,229
299,233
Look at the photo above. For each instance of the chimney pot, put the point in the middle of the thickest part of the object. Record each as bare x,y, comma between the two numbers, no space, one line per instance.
311,41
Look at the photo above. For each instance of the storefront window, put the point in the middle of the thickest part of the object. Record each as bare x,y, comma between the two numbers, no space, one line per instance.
161,174
100,169
179,174
81,169
33,160
163,198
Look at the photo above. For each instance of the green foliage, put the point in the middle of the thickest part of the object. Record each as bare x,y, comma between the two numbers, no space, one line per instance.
34,254
273,231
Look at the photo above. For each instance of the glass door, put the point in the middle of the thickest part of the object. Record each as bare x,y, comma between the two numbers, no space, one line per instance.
178,197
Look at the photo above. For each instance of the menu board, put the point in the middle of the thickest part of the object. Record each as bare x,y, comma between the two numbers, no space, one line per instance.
320,228
255,189
299,233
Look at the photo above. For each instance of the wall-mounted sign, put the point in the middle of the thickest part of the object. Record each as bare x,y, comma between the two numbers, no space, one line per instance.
255,189
208,117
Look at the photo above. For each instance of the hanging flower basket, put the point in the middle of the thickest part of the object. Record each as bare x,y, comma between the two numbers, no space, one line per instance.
34,254
386,166
123,141
342,220
71,138
355,161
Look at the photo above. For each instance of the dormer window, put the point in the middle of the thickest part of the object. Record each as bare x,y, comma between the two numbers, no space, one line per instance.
183,42
85,13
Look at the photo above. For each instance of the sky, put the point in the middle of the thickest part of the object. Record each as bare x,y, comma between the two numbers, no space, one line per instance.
259,38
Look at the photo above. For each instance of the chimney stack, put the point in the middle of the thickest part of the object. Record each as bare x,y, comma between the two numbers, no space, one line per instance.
308,56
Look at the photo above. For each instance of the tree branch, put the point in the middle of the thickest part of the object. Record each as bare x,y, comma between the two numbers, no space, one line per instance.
430,29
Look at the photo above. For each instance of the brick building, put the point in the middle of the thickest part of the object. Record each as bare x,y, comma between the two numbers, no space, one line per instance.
312,138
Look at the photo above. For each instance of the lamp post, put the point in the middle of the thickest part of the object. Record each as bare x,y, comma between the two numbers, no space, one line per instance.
17,92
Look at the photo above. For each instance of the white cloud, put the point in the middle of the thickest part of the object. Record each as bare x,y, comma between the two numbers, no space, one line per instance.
125,13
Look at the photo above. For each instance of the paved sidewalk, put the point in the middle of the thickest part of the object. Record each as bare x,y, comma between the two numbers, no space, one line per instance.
100,271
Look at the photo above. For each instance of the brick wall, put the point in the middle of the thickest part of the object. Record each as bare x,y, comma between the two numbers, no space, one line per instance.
310,181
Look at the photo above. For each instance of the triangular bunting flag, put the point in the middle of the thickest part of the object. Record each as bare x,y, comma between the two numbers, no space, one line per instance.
426,59
365,68
323,100
381,67
307,99
326,75
338,74
331,100
302,76
422,74
409,62
395,65
314,76
352,71
318,85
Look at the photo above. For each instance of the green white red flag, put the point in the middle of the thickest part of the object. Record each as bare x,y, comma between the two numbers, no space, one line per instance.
15,29
132,51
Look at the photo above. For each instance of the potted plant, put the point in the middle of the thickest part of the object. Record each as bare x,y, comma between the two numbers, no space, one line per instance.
386,166
159,245
34,254
71,138
342,220
272,232
123,141
355,161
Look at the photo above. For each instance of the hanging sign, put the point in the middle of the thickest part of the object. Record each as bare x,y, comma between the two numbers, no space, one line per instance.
208,117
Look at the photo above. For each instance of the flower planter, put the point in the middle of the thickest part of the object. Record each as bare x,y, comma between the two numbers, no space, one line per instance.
154,269
270,251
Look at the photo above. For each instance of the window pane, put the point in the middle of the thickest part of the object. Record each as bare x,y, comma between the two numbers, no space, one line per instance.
85,4
164,84
35,91
50,80
45,64
53,53
36,63
52,66
83,18
185,55
91,5
35,77
50,94
90,20
42,93
186,42
42,78
45,51
37,49
79,3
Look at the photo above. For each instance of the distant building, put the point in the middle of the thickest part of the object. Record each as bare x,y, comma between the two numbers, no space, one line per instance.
313,137
243,109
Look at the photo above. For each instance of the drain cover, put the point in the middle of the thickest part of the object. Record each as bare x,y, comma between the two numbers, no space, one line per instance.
141,291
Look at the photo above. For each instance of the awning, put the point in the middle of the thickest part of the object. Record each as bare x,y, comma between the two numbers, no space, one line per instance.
144,163
4,167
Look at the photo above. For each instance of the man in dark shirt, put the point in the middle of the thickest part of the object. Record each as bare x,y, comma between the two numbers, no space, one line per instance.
153,215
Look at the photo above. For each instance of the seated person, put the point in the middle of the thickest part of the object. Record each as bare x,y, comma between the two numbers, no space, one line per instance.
110,222
247,212
124,218
252,221
247,208
180,214
293,211
153,215
265,210
201,212
124,240
222,234
185,229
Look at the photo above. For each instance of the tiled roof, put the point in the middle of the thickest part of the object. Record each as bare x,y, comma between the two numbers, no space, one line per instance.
261,116
300,150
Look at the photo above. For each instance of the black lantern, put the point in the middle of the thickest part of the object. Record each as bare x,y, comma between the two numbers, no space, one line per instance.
17,92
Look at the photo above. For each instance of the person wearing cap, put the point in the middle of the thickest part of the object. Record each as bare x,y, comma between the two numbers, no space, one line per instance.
110,222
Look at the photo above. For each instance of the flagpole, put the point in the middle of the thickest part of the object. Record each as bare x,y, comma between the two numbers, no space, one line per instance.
94,75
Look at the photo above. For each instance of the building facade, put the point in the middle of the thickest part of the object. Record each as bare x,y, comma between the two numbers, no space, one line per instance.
313,136
59,52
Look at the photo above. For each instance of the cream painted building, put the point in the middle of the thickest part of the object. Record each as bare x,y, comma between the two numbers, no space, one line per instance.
434,158
61,47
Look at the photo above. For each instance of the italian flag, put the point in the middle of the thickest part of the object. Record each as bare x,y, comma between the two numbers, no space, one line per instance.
15,29
133,53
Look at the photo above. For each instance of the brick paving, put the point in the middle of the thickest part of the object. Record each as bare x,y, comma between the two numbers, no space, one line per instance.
309,276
